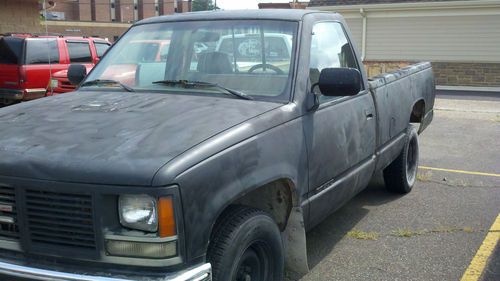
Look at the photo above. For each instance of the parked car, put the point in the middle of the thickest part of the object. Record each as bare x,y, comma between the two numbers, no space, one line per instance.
211,173
27,62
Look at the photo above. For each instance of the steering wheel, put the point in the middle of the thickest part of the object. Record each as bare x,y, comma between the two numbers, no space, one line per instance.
265,65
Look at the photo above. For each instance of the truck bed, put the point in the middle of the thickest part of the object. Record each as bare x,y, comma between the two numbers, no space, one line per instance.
390,92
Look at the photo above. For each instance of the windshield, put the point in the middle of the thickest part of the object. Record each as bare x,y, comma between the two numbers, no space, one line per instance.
253,57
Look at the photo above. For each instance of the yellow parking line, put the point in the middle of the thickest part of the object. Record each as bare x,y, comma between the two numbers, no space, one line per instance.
478,263
459,171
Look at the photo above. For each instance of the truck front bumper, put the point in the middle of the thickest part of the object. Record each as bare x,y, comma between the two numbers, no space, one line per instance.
198,273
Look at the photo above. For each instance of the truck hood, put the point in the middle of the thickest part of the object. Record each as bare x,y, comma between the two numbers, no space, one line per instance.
111,137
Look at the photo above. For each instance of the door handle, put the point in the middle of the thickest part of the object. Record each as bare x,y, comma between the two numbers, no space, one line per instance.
368,114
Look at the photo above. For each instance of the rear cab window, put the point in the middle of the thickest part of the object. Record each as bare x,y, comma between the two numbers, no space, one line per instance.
41,51
79,52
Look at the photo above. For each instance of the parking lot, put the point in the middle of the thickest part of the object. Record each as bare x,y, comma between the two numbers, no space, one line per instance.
434,232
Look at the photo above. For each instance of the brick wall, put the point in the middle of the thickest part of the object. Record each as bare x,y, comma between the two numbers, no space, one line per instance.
124,10
167,7
146,9
70,10
84,11
374,68
101,10
447,73
19,16
467,74
183,6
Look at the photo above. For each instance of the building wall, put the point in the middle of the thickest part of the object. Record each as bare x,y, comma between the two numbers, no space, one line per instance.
125,10
374,68
464,38
460,38
84,11
101,11
110,31
147,9
167,7
467,74
19,16
70,10
183,6
356,27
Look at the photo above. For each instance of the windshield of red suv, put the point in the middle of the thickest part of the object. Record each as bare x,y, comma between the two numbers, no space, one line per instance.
253,57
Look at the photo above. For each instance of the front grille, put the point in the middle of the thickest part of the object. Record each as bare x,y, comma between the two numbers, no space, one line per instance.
60,219
8,214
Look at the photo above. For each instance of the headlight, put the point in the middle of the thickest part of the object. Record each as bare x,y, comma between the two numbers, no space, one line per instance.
54,83
138,212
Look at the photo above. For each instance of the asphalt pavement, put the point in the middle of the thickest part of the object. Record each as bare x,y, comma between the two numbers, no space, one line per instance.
434,232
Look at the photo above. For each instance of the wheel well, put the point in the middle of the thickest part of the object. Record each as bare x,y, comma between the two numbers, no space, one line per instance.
276,198
280,200
417,112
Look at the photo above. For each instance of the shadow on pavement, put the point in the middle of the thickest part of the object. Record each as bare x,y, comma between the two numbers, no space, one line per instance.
323,238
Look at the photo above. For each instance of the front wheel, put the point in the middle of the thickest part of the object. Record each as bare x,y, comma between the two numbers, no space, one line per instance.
401,174
246,246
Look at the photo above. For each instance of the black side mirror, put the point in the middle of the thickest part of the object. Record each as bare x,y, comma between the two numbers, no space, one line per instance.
76,73
339,82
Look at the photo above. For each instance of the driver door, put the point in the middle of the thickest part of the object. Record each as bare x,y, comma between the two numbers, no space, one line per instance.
341,131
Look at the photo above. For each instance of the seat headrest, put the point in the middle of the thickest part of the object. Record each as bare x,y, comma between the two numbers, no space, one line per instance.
214,63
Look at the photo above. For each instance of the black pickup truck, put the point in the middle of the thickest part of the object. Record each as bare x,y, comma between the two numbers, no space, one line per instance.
208,160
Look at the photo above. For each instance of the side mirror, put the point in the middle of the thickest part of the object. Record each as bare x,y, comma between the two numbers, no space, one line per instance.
339,82
76,73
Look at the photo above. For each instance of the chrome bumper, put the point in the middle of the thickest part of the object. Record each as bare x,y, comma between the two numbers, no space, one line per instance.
199,273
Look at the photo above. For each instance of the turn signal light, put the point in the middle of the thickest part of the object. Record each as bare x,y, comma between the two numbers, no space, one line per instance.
166,217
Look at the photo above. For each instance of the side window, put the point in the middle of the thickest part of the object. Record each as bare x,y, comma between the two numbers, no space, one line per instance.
329,48
79,52
41,51
101,48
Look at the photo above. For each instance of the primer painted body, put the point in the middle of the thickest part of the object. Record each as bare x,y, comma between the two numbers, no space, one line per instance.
216,149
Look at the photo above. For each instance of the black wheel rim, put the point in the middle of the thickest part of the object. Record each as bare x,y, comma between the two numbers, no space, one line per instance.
412,161
254,264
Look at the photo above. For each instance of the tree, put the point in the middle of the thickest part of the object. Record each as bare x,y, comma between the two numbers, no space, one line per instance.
203,5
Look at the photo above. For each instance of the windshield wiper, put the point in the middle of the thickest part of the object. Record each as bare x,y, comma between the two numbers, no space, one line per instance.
196,84
98,82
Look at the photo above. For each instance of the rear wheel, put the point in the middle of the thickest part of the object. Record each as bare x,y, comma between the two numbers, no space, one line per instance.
401,174
246,246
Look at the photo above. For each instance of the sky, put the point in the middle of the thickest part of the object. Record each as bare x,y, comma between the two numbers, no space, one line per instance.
244,4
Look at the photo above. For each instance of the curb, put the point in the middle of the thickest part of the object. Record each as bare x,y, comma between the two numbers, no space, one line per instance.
468,88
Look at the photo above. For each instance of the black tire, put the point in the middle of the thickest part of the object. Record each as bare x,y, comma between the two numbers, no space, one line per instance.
246,245
401,174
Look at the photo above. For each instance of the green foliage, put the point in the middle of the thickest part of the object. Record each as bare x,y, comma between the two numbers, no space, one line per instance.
203,5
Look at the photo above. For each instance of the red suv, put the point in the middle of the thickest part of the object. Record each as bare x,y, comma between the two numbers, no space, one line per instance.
27,62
